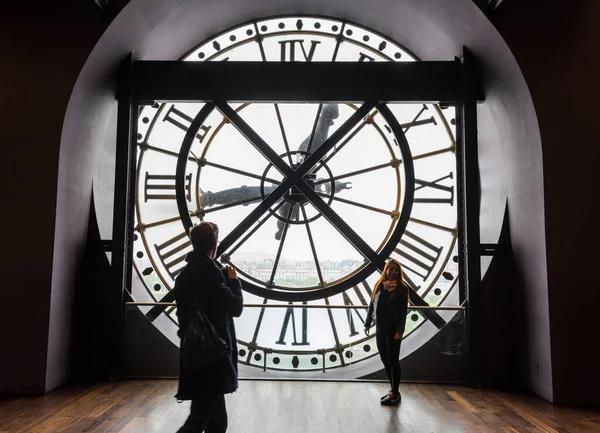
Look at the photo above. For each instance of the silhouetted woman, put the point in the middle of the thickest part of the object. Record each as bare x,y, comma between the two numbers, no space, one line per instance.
388,307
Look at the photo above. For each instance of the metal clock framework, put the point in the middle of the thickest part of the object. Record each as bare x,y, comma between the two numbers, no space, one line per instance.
321,149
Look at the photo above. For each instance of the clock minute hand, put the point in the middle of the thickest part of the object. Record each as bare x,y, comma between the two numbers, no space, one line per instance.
329,112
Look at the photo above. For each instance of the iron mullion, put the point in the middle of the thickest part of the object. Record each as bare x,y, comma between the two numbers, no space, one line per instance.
312,134
142,227
346,141
123,215
285,141
238,171
296,175
253,216
254,139
270,200
315,157
279,120
354,203
283,236
433,225
356,173
259,39
259,225
312,245
334,329
471,188
435,152
339,39
418,301
180,170
145,146
251,345
340,225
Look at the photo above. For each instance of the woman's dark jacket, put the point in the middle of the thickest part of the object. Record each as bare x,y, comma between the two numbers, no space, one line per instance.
395,312
203,281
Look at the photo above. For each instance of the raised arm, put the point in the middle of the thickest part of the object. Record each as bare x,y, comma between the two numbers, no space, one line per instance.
232,297
230,293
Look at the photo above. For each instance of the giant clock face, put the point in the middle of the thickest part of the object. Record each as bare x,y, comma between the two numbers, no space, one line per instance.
387,188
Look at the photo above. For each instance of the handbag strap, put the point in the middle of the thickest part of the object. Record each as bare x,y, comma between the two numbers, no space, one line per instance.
206,328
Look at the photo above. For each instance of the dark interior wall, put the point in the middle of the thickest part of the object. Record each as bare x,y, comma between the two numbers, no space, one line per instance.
510,160
28,183
556,45
69,34
498,365
44,46
509,140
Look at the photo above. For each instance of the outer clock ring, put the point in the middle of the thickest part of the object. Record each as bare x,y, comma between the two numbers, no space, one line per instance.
352,279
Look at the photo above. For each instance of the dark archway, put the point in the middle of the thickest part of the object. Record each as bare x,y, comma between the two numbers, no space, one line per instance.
509,139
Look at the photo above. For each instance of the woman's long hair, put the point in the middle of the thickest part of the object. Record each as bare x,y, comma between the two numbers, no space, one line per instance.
384,273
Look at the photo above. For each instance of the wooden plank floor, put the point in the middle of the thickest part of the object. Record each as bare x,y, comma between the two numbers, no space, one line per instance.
296,407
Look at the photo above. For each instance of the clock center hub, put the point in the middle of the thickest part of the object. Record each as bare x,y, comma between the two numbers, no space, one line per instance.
294,195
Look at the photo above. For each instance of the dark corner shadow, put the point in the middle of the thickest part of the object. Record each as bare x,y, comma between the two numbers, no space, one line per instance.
90,344
499,343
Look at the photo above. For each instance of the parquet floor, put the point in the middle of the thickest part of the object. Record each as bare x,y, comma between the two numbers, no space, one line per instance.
148,406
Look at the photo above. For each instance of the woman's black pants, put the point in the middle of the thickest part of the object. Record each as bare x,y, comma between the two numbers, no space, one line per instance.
389,351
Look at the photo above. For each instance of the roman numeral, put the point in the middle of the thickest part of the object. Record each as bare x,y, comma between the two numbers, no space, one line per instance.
183,122
288,50
417,121
435,185
420,256
172,253
290,314
360,313
362,57
162,187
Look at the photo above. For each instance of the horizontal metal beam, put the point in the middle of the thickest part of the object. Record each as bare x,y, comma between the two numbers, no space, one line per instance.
178,81
317,306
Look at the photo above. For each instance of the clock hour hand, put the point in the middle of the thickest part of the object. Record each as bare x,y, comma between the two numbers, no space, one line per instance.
231,195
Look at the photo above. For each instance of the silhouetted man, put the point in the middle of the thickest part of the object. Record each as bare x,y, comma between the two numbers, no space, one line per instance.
218,292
